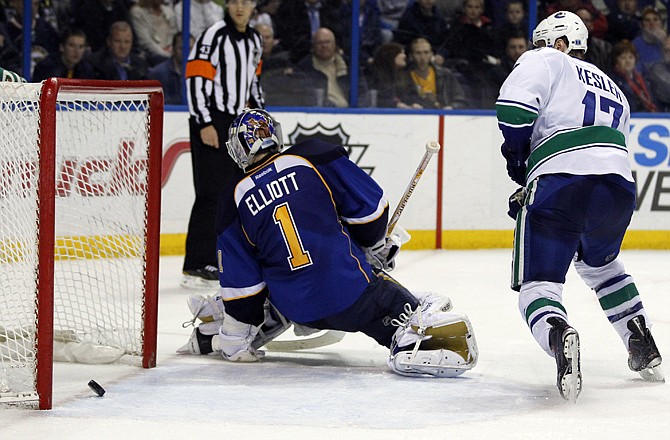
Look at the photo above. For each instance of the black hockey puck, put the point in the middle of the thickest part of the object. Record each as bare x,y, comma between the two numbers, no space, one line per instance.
95,386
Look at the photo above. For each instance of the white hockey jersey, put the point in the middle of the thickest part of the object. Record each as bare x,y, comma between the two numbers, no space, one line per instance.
573,116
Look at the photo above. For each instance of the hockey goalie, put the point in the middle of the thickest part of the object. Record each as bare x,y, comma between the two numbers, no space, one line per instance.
302,239
428,340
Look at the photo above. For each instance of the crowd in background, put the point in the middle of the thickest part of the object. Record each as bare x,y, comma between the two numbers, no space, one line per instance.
422,54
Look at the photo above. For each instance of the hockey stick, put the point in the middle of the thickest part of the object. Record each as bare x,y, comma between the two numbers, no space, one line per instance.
432,147
330,337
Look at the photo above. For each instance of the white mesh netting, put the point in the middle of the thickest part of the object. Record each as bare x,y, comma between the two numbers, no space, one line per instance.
100,227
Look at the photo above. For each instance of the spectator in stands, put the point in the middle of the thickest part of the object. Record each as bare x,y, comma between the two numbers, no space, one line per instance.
649,42
116,61
44,35
388,76
472,40
169,72
612,4
496,10
599,20
204,13
514,20
10,57
623,21
516,44
328,72
283,84
95,18
273,57
450,9
297,21
438,87
421,19
69,63
599,51
370,29
390,12
266,10
155,25
659,78
629,79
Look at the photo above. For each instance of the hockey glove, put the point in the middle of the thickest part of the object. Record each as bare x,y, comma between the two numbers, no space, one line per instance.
382,254
516,165
516,202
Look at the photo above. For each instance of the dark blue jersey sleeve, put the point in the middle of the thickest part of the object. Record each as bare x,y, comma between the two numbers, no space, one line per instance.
361,203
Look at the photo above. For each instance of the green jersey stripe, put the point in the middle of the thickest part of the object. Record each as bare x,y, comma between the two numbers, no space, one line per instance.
515,116
576,139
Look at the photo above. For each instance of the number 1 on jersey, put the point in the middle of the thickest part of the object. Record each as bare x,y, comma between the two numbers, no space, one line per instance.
298,257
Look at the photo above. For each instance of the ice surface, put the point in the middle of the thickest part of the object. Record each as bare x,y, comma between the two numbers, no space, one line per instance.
345,391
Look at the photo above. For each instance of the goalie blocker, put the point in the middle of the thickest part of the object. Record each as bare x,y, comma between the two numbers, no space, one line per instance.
430,340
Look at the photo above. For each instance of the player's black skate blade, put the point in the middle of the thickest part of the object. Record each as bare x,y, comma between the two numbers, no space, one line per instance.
643,355
564,342
205,278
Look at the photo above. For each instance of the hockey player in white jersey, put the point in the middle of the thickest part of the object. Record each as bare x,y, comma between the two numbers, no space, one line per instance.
566,127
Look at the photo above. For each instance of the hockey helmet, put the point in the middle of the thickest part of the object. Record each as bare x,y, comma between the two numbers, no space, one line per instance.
562,24
253,132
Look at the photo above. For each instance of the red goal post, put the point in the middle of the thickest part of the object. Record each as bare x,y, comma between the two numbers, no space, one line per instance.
80,169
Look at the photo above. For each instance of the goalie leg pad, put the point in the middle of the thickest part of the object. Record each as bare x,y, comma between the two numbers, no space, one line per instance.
274,325
432,342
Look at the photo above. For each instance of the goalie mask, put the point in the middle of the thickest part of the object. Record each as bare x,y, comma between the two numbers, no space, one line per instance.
253,132
561,24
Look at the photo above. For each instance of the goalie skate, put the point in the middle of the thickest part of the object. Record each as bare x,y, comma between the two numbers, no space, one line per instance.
643,354
564,341
432,342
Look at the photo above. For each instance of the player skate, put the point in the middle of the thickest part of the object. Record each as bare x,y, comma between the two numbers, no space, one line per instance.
564,342
206,278
643,355
431,341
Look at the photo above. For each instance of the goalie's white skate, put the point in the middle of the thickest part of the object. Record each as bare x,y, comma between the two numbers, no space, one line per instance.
433,342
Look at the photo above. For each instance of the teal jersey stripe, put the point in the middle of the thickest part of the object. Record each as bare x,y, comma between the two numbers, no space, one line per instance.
576,139
512,115
618,297
542,302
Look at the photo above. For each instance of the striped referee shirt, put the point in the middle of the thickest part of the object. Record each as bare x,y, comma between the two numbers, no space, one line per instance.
221,72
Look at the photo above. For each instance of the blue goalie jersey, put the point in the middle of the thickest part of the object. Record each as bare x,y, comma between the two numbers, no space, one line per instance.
295,225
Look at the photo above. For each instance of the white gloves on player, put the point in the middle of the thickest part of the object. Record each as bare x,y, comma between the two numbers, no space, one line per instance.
382,254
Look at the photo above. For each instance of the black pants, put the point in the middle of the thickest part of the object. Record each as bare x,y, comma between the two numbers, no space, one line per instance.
212,170
382,301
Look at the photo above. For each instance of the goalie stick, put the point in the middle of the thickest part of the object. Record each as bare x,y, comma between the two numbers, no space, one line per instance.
432,147
330,337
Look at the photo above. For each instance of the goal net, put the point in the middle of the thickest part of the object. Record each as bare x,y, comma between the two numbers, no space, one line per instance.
79,228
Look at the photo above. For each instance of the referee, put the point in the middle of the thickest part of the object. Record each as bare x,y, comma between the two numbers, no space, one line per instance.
221,81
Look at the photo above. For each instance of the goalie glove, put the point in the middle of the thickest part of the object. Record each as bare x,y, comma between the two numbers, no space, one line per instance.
382,254
516,202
